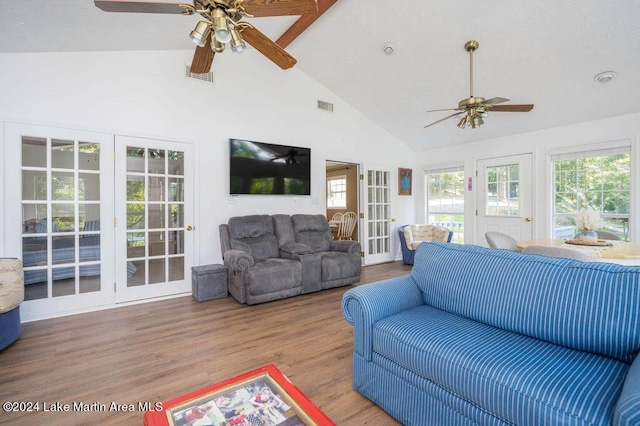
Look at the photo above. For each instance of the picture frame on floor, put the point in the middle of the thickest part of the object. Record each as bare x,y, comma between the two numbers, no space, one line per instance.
262,396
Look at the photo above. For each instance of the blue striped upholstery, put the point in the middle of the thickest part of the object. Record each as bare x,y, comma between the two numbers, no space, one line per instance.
489,337
627,412
579,305
519,379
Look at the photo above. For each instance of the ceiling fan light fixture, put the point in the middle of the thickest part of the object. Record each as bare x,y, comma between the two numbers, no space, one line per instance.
216,46
237,43
200,33
463,122
476,122
221,28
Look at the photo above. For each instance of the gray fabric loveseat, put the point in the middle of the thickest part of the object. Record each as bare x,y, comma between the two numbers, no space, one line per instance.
478,336
279,256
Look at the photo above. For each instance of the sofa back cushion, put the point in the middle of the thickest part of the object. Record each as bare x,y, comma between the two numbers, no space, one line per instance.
254,235
312,230
587,306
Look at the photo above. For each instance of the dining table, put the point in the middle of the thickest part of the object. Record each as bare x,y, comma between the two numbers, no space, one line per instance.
614,251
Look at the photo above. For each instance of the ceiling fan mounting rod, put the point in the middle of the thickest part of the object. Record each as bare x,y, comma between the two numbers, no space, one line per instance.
470,47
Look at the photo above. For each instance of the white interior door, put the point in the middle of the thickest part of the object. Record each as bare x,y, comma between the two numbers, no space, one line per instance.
58,189
377,230
154,218
505,197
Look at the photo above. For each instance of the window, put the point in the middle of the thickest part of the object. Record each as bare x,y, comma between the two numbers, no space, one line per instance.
445,200
503,190
337,192
599,179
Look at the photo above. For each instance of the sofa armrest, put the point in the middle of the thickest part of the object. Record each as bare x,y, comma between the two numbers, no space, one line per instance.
627,411
237,260
345,246
364,305
293,250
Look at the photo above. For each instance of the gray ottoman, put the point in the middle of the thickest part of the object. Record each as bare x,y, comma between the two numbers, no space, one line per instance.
209,282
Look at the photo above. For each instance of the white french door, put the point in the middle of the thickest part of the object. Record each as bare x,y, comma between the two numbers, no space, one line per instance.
58,199
154,218
377,236
505,197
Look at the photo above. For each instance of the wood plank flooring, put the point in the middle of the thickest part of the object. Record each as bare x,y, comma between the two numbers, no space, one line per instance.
156,351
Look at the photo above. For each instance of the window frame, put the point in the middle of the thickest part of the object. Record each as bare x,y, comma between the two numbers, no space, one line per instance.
456,227
592,151
331,179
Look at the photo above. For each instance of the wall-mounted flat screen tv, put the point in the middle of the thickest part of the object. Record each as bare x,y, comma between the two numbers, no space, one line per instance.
264,168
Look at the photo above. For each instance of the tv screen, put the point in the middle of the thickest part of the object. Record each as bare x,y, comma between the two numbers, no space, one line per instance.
263,168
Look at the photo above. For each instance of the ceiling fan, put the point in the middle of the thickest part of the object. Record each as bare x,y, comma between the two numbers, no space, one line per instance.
475,108
222,25
289,157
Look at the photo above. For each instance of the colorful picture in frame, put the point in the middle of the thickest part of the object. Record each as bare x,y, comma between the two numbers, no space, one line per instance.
404,181
260,397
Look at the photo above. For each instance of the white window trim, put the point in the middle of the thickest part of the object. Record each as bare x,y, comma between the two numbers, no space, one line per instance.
332,178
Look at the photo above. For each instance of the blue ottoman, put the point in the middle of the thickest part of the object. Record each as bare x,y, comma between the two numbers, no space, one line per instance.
11,295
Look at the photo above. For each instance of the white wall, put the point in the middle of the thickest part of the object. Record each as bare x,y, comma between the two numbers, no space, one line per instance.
540,143
146,94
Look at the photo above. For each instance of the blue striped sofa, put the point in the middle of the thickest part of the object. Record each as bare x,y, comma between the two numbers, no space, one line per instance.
477,336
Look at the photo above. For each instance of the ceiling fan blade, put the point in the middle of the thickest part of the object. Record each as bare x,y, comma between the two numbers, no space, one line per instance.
512,108
445,109
303,23
260,8
202,58
494,101
268,48
138,6
443,119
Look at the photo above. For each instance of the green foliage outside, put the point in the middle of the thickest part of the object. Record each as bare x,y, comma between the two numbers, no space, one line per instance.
601,183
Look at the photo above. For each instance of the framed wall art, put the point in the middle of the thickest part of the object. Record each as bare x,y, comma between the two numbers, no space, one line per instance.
405,182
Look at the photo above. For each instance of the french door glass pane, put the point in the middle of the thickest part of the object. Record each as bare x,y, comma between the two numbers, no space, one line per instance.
379,196
54,220
155,216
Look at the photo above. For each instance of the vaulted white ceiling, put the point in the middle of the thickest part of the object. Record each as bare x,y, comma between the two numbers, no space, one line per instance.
543,52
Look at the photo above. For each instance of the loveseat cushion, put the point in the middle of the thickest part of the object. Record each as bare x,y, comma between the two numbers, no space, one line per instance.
587,306
273,275
522,380
312,230
254,235
338,265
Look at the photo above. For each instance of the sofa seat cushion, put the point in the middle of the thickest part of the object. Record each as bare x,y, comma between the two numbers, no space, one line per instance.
271,275
522,380
337,265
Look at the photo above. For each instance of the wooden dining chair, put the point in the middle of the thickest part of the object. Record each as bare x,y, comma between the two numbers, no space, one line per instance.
347,225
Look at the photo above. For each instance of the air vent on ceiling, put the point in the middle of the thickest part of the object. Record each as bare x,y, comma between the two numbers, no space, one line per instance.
207,77
325,106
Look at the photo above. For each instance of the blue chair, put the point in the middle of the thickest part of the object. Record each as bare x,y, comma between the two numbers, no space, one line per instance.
408,248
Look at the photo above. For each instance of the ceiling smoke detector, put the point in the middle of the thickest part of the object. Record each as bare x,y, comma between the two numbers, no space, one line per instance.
605,77
388,48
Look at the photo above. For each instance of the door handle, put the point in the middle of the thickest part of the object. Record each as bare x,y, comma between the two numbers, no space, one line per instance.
527,219
393,219
189,228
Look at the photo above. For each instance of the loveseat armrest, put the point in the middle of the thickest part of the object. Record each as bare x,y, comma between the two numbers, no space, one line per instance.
363,306
238,260
345,246
294,250
627,411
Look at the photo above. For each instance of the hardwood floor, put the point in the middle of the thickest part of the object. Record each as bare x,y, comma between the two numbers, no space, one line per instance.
157,351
